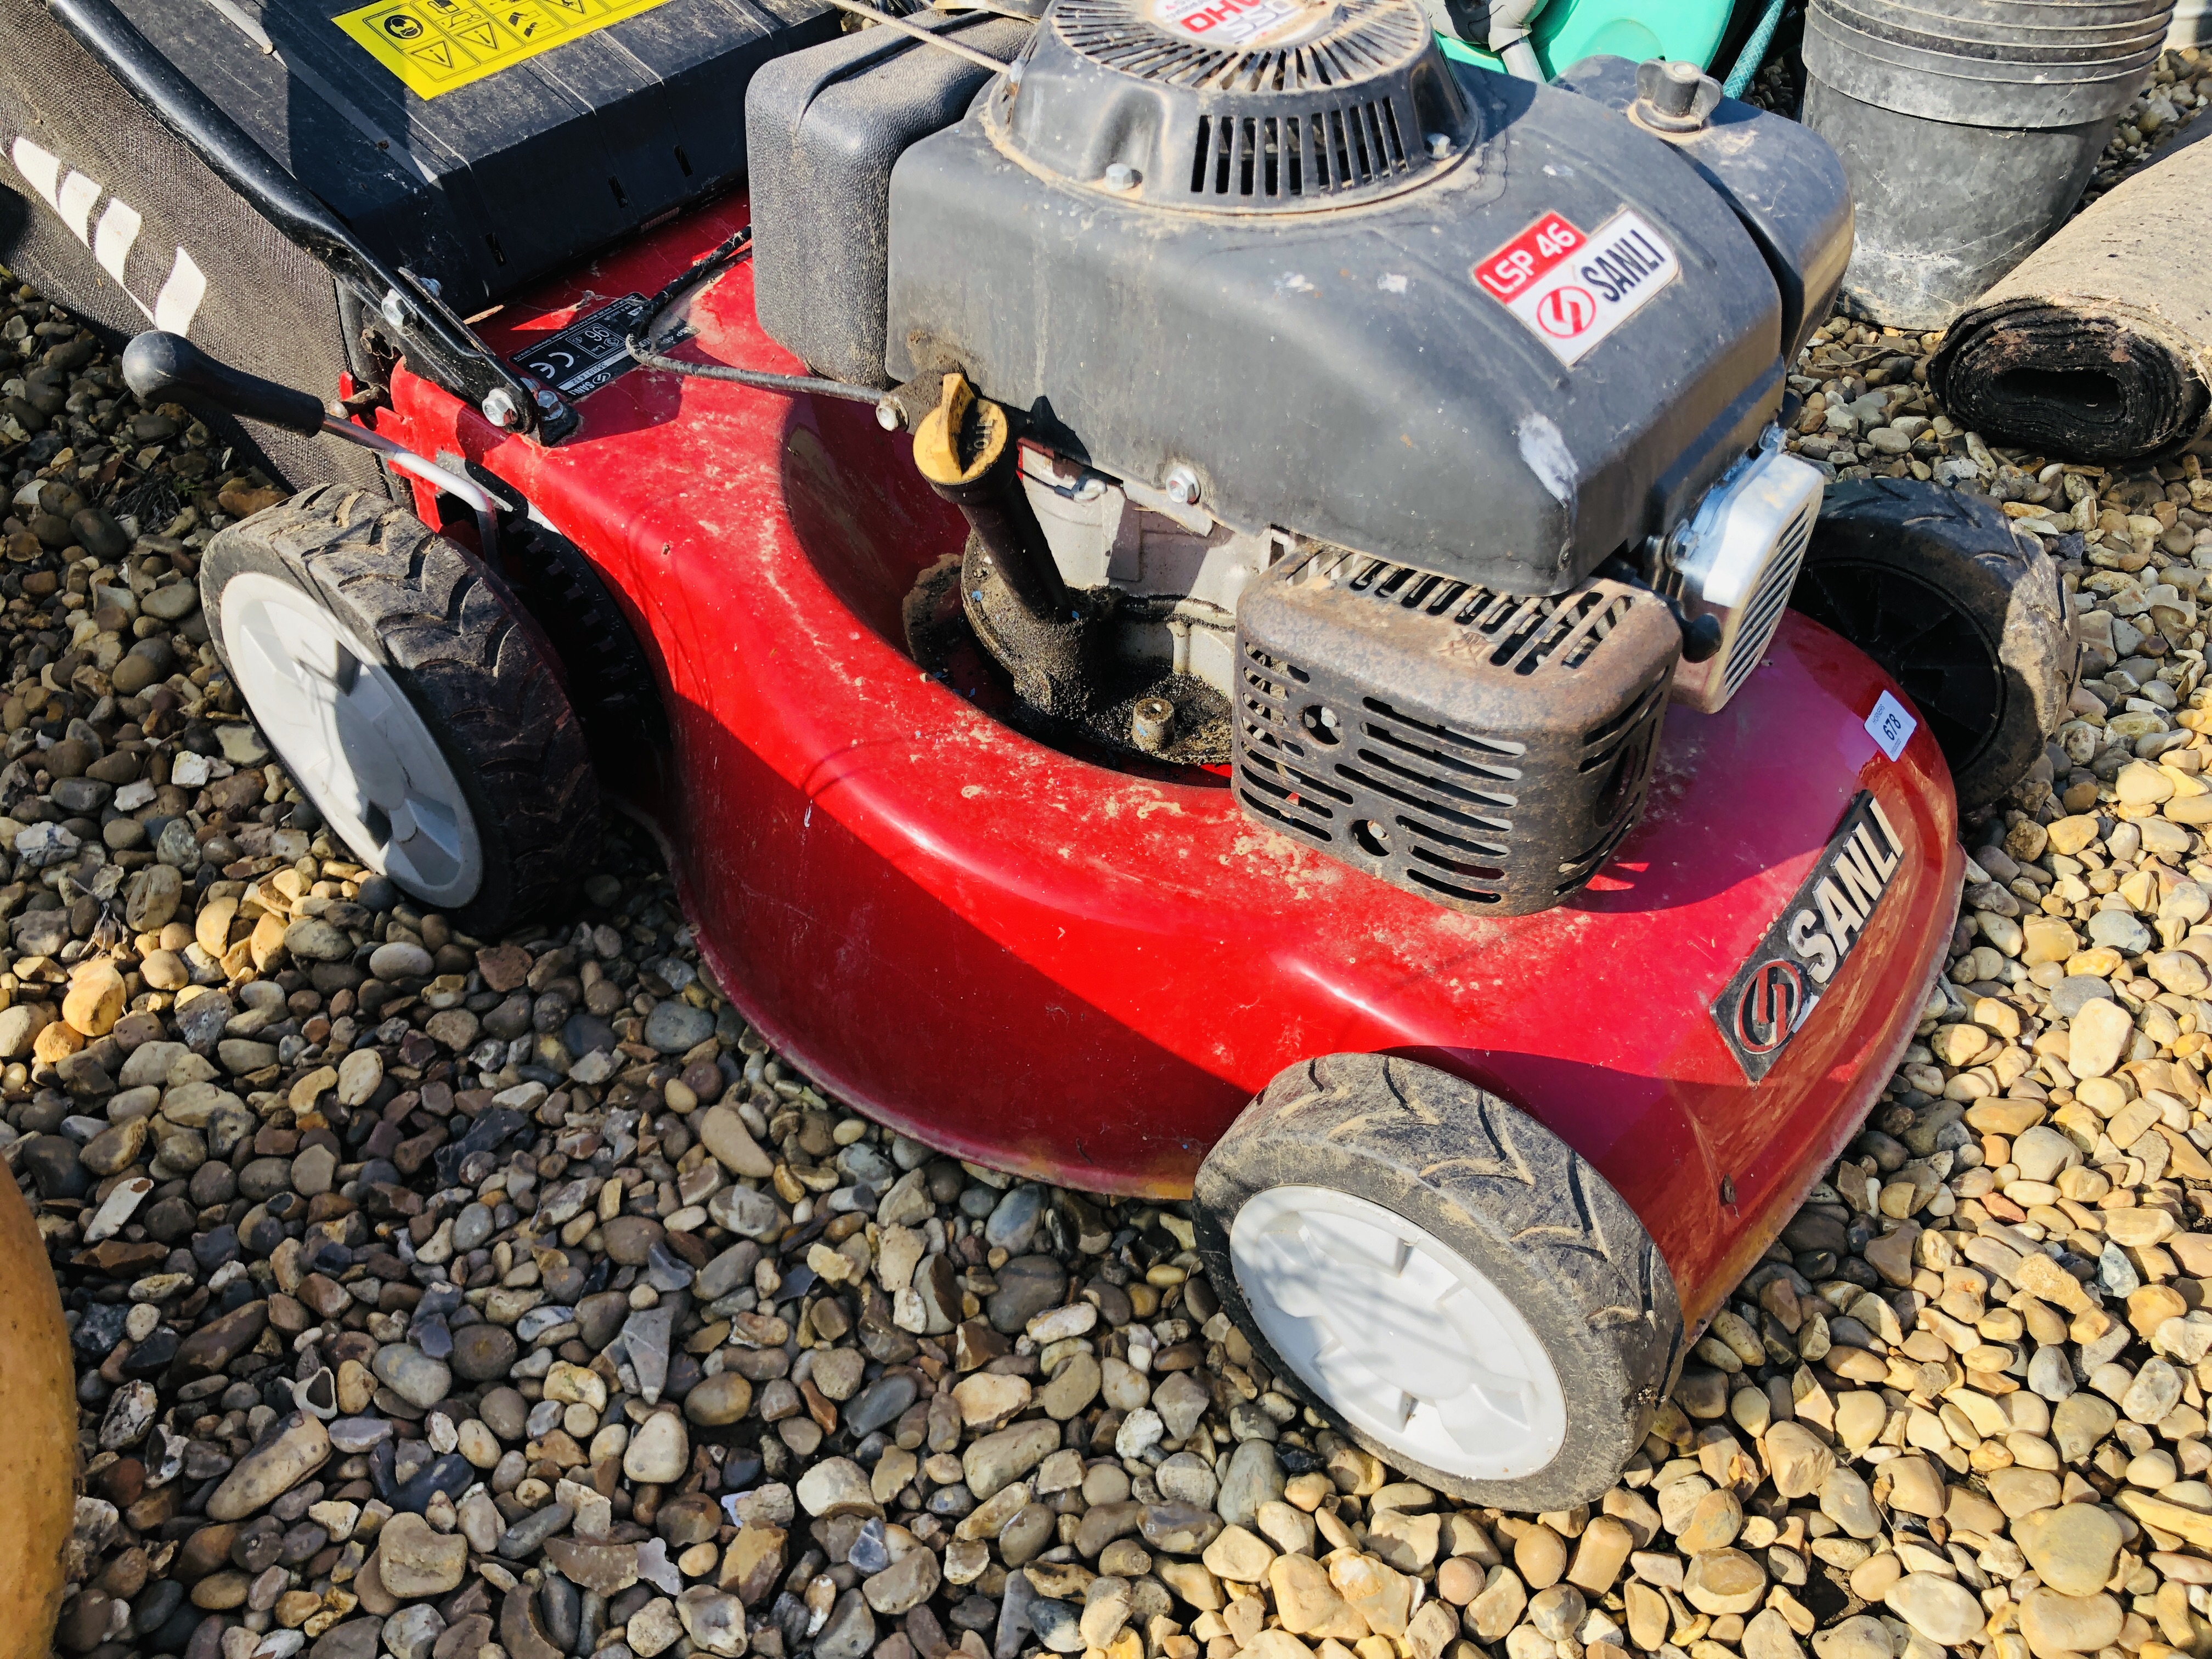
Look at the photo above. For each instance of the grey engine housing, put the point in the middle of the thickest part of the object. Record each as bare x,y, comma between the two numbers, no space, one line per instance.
1320,358
1245,301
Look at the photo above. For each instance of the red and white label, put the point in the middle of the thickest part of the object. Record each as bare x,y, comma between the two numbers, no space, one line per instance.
1242,25
1572,291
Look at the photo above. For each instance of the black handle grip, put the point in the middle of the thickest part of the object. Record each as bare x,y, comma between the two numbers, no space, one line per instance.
158,365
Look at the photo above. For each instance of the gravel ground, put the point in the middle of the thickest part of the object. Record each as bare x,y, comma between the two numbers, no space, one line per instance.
476,1299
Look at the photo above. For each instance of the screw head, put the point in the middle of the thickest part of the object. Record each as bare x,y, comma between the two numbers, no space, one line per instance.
887,415
1440,145
1120,175
499,409
1181,486
394,308
545,399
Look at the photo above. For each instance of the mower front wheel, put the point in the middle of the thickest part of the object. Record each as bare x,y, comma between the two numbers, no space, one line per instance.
410,699
1444,1276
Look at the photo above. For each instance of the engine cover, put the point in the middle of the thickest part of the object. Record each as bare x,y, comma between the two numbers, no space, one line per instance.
1325,284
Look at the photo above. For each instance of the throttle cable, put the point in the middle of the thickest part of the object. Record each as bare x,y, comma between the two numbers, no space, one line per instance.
649,351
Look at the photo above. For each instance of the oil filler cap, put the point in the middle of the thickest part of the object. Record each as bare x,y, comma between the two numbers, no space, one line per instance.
1673,96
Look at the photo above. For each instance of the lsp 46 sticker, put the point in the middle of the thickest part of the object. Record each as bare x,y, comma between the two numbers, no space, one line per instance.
1571,290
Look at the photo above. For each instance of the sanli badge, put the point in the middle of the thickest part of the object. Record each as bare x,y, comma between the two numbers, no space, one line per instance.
1767,1001
1571,290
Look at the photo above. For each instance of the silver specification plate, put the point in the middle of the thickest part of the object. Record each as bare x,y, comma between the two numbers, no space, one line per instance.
577,360
1781,981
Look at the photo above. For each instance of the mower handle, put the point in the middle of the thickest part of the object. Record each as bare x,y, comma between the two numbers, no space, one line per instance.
158,365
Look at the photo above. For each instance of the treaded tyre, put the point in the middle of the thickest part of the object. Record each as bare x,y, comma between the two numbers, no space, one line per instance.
402,687
1936,587
1444,1276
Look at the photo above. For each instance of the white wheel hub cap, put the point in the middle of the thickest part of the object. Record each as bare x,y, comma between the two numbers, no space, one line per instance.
1396,1331
361,751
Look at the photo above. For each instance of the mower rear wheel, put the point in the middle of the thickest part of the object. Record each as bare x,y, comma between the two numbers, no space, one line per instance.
1936,587
1440,1273
406,694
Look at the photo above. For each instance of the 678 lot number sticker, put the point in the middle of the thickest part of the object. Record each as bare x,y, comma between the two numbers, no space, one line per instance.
1571,290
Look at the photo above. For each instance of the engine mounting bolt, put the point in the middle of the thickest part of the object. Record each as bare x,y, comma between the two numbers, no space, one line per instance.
1440,145
499,409
1151,722
1120,175
1673,96
888,416
1183,486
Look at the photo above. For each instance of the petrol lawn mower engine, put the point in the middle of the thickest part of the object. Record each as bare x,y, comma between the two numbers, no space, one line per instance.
1401,434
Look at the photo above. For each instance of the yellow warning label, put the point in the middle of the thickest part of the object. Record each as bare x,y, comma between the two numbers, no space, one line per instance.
435,45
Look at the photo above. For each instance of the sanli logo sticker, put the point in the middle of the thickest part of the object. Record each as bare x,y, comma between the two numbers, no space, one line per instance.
1572,291
1804,948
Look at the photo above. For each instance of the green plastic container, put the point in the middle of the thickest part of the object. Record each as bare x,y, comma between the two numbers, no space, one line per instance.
1567,31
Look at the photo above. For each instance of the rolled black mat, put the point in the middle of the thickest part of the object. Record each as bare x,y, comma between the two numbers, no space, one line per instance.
2098,345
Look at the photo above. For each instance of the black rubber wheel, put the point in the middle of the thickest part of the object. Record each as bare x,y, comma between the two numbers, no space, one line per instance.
1442,1275
339,594
1936,586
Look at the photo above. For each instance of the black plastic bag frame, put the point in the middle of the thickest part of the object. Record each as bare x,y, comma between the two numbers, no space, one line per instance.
437,344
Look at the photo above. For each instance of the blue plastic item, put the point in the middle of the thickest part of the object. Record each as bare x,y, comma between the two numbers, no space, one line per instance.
1567,31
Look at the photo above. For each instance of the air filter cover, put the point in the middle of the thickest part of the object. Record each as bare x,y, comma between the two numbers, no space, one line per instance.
1486,751
1238,105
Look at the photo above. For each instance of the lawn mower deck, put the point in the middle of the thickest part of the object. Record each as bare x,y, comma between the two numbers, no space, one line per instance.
1083,971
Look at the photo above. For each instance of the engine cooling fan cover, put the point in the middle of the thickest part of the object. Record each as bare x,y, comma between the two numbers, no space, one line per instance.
1236,106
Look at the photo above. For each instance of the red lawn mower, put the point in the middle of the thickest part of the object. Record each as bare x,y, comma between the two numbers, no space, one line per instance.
1197,594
